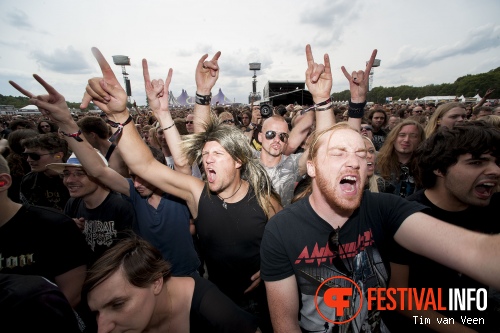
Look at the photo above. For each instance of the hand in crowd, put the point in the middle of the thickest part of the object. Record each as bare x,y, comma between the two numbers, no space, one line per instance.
256,281
318,77
207,73
52,104
358,81
156,90
105,92
488,92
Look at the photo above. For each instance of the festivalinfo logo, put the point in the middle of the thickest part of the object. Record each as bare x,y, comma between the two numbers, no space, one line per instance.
459,299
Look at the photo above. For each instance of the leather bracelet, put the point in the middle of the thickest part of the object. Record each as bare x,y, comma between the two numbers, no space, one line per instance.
356,110
203,99
116,136
166,128
315,106
75,135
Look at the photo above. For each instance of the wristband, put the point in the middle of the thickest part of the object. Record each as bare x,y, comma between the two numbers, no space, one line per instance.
118,133
203,99
166,128
75,135
356,110
324,108
314,107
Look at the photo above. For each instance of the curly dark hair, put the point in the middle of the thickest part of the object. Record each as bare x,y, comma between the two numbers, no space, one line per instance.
443,148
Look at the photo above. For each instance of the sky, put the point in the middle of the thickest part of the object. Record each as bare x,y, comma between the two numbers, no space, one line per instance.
419,42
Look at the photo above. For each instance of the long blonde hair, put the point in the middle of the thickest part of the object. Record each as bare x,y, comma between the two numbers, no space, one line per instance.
433,125
372,180
234,141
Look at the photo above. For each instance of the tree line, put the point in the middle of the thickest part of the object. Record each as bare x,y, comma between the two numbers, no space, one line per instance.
468,85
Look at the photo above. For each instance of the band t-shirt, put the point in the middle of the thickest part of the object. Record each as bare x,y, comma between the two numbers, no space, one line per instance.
295,242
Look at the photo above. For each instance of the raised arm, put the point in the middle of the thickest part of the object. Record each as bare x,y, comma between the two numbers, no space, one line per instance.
485,97
54,106
319,84
157,93
474,254
110,97
358,86
207,73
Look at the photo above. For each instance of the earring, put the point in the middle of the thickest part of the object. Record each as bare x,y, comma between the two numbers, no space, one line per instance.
2,183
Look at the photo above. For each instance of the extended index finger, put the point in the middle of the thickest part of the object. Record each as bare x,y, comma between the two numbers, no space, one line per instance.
106,70
216,56
309,55
370,62
145,72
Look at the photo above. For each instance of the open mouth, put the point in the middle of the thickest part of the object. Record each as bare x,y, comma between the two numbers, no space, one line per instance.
486,189
348,184
211,175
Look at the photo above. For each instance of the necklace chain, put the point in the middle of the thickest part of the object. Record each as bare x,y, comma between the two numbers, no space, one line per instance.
224,204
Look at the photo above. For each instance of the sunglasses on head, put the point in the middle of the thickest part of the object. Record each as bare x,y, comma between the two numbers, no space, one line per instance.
34,156
228,121
272,134
335,246
189,122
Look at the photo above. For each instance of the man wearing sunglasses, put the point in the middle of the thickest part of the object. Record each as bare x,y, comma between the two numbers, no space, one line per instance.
42,186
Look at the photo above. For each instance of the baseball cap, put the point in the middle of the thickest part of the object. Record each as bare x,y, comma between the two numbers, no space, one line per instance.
72,162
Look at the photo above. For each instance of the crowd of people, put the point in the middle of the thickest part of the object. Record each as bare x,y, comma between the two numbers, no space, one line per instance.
225,219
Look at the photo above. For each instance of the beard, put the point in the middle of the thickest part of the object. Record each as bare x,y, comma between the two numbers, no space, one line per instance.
333,195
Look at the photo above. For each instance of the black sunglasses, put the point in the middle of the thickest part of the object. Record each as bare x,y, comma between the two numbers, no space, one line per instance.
227,121
272,134
189,122
367,128
335,246
34,156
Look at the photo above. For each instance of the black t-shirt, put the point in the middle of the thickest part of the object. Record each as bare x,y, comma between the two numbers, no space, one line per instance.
295,242
214,312
33,304
106,224
41,190
41,241
426,273
379,138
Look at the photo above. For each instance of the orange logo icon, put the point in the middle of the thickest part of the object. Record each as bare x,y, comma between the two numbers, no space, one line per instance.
339,299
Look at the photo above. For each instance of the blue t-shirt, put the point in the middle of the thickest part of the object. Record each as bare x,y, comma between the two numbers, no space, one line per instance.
167,228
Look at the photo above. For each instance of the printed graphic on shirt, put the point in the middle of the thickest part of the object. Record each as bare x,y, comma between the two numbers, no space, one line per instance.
358,260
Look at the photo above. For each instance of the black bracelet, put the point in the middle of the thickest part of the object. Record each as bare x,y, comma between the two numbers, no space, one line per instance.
75,135
356,110
118,133
166,128
203,99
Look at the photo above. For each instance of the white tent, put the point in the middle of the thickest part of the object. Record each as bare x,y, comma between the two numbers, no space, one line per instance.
28,109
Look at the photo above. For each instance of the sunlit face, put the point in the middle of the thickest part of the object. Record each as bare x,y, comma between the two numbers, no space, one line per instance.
473,180
455,116
161,137
339,169
45,127
142,187
220,167
274,146
121,306
378,120
408,139
370,158
78,183
46,157
190,123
